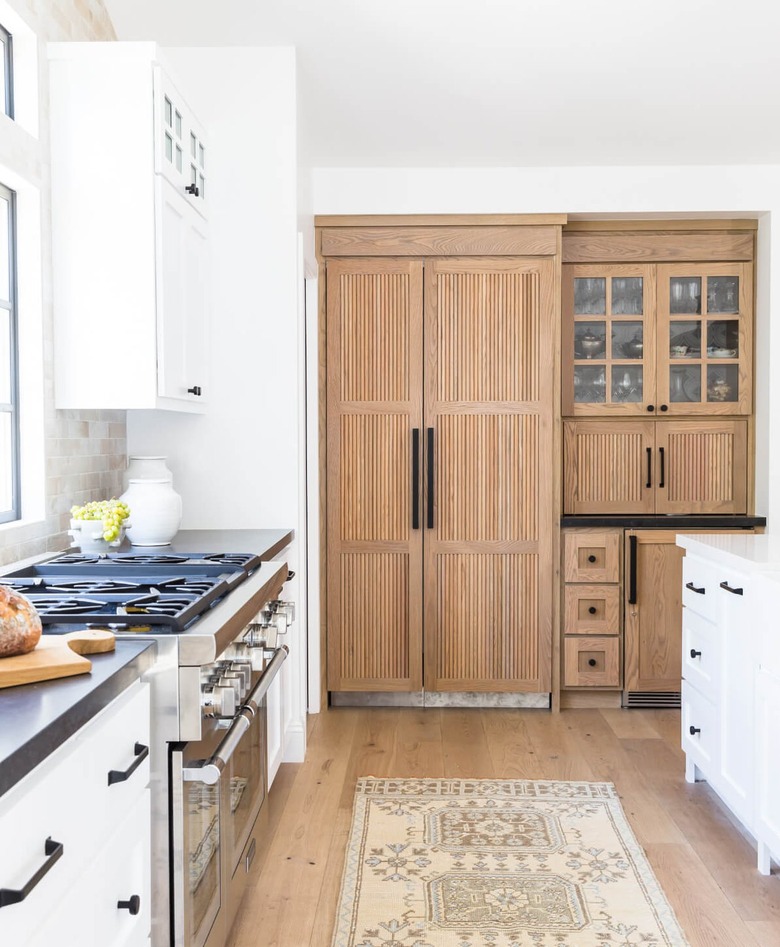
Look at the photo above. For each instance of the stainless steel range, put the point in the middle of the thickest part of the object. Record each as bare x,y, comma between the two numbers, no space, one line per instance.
216,619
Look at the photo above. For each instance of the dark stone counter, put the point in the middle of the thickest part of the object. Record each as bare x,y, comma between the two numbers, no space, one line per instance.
709,521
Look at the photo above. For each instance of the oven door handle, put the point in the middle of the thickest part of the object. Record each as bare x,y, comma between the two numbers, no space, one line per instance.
258,692
211,770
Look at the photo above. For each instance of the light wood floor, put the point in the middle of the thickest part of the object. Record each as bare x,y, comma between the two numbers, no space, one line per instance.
704,864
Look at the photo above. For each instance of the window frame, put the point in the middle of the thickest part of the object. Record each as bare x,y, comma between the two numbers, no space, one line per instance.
14,513
8,70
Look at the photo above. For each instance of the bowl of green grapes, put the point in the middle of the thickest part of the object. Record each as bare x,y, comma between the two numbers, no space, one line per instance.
99,524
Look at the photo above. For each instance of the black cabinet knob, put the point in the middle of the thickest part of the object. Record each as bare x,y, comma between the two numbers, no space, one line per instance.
664,407
592,662
591,558
193,189
694,730
651,407
592,609
133,905
695,653
195,390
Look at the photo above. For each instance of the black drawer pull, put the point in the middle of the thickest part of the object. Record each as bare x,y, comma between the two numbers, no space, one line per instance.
120,775
592,609
415,478
695,653
429,471
649,467
694,730
133,905
692,587
53,851
728,588
592,662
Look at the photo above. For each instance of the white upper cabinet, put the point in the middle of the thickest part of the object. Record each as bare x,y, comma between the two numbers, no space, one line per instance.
129,231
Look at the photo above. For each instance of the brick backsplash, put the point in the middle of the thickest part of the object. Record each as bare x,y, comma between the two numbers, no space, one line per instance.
86,451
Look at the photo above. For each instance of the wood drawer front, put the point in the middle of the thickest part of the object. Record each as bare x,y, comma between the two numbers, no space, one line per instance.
591,662
701,654
700,586
700,715
592,557
592,610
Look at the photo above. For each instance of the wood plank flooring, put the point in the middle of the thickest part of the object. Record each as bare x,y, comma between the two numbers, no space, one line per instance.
705,864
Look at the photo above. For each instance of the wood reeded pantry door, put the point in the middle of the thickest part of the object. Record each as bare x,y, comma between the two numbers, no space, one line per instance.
374,403
489,377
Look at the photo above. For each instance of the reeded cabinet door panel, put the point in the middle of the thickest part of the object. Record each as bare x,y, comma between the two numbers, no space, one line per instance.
609,466
702,466
490,339
374,406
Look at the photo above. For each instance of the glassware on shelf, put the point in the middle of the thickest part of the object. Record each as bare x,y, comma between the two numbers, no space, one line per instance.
590,339
685,295
685,339
722,294
627,383
590,384
590,296
685,384
722,383
723,338
627,296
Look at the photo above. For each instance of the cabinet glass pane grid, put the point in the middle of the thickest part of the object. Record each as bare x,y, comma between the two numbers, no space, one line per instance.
616,377
711,371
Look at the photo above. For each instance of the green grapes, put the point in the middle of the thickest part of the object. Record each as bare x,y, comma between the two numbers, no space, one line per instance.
112,512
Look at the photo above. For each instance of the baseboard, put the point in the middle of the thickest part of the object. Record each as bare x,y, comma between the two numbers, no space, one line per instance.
295,743
439,699
582,700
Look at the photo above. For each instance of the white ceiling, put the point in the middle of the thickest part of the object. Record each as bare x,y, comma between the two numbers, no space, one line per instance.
508,82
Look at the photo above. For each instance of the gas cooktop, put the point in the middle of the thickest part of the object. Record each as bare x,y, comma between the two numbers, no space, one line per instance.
130,591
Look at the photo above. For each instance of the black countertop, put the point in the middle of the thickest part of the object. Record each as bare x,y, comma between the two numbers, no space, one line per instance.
265,543
681,523
35,719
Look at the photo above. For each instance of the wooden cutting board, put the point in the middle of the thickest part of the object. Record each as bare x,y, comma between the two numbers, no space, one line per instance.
55,656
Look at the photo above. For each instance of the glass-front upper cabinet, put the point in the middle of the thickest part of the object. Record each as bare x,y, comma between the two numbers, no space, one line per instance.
608,339
705,338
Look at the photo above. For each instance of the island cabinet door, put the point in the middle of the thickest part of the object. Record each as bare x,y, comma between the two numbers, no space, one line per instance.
374,560
701,466
609,466
490,342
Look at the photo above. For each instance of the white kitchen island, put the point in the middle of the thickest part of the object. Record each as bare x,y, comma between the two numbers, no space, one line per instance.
731,677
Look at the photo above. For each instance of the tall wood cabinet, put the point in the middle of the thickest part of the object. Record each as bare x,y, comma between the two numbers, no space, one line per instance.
441,398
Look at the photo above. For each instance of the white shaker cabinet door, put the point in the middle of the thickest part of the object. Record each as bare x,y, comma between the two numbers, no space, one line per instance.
768,776
182,297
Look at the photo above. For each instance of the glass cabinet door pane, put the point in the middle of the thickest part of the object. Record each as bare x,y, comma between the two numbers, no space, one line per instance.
178,125
179,162
627,299
168,113
685,294
590,339
590,296
627,383
168,147
627,340
590,384
722,383
722,294
723,338
685,383
684,340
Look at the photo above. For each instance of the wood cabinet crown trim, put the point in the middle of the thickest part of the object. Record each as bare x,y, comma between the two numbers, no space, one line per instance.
659,246
439,220
432,240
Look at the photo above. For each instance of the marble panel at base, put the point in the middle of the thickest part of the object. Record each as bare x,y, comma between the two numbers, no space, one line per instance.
442,699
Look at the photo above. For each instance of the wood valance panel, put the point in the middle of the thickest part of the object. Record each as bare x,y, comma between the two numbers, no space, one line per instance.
421,241
669,247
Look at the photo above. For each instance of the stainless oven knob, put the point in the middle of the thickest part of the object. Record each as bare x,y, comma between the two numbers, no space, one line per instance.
236,681
286,608
243,668
218,701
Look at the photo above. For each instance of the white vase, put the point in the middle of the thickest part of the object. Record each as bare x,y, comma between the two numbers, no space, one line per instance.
146,468
155,511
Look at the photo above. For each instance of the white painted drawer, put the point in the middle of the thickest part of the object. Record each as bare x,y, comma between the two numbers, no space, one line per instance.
701,654
699,587
699,730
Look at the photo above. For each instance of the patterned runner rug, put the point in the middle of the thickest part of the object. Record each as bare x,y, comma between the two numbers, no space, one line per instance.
497,863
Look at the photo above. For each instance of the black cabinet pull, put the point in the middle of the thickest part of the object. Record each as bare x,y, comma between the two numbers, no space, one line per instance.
692,587
133,905
694,730
695,653
728,588
120,775
592,662
632,547
415,478
430,478
195,390
664,407
649,467
193,189
53,851
663,474
591,558
651,407
592,609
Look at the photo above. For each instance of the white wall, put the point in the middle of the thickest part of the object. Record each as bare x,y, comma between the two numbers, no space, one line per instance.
664,192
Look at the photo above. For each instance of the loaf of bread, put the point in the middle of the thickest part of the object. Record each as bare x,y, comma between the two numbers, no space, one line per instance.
20,624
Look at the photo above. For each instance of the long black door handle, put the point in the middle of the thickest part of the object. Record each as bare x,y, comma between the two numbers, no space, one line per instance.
632,545
663,466
53,851
120,775
728,588
415,478
649,467
430,478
